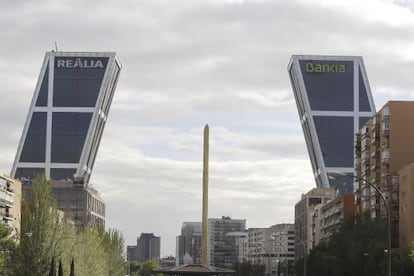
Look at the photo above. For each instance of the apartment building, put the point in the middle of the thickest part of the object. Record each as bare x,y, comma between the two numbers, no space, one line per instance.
304,216
10,205
384,146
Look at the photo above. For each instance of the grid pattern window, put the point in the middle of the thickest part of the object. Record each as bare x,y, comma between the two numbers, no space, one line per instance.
329,84
69,132
35,144
77,81
336,139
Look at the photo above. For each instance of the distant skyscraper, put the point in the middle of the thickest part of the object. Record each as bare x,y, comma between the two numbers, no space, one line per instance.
189,242
148,247
67,116
334,101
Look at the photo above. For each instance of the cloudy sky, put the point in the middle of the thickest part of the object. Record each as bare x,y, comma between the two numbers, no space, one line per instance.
189,63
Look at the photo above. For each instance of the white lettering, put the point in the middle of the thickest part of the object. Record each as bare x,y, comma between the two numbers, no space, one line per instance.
79,63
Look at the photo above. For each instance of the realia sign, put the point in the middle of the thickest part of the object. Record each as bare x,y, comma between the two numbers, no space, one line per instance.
81,63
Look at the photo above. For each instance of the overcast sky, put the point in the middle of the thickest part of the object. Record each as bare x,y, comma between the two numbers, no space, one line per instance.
189,63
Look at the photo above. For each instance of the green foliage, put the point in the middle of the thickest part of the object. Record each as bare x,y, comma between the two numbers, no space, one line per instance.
411,254
7,247
46,239
358,247
147,267
249,269
40,230
134,268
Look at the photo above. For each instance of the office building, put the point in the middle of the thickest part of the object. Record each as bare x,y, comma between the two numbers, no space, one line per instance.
304,218
334,100
384,146
148,247
10,205
65,123
189,243
223,244
67,116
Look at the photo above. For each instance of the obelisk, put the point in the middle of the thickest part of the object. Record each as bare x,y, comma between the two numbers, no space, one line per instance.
205,197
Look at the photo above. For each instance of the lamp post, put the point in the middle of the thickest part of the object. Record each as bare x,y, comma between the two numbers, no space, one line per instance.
338,175
305,254
273,237
268,256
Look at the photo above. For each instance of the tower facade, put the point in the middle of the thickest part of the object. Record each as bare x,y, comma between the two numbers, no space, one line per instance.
67,116
334,101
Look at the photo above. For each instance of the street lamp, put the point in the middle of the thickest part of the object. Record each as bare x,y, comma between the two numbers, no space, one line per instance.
268,256
338,175
305,255
273,237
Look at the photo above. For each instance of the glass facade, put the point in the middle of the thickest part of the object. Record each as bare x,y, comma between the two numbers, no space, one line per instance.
69,130
336,137
68,117
328,87
35,144
333,99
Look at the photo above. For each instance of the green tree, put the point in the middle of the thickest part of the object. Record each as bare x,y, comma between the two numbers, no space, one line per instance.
113,244
357,247
41,231
7,247
147,267
249,269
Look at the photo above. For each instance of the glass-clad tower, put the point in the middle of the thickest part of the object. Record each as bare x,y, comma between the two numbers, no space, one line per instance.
67,116
334,100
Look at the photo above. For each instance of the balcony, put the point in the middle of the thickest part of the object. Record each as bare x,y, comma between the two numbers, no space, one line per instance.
385,113
385,156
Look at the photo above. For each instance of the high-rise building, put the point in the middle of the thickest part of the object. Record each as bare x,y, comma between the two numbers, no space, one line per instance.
64,127
334,101
223,241
384,146
304,218
148,247
10,205
189,243
67,116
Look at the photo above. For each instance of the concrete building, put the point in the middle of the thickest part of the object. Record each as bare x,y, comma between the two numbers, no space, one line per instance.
132,253
10,205
384,146
189,242
335,212
334,100
273,246
67,117
406,202
304,218
223,241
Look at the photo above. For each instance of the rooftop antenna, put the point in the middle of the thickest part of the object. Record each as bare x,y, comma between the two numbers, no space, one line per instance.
56,47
